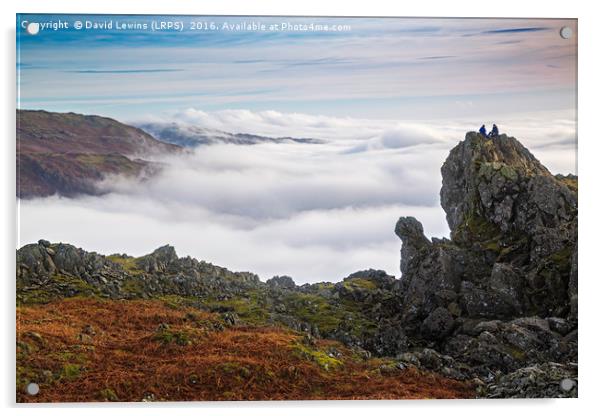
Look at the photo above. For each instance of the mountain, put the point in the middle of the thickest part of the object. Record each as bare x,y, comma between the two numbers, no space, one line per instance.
66,153
494,308
192,136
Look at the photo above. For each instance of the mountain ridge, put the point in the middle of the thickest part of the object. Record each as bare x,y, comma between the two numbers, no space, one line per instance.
193,136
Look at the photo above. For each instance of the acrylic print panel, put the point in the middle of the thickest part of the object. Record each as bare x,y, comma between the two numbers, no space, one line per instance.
212,208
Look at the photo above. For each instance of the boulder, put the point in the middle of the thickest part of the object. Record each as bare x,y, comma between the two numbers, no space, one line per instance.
438,325
281,282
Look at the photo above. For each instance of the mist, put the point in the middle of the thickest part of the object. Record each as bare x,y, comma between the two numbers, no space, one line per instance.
313,211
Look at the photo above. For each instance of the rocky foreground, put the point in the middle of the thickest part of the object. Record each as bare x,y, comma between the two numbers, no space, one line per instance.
494,307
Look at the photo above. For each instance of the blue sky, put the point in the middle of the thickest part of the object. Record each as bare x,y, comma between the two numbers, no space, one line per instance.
381,68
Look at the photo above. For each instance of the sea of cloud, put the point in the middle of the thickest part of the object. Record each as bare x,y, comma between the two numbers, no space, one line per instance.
315,211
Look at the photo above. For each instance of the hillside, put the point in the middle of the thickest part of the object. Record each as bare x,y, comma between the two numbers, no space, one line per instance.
494,307
193,136
157,350
66,153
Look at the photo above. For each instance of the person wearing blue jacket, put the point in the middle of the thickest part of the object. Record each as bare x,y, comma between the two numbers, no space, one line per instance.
483,130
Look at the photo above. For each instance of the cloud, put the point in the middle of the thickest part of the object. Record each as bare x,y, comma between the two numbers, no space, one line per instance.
399,137
313,211
516,30
123,71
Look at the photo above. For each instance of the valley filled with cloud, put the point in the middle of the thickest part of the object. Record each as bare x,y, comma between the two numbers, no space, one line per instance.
316,211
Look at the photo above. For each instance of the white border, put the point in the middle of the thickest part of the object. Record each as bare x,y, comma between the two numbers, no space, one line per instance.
590,201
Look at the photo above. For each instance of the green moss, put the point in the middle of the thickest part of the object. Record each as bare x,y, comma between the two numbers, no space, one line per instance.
179,302
509,173
76,283
251,309
58,285
571,182
70,371
108,395
324,285
476,228
24,376
315,310
235,369
325,361
493,245
517,354
178,337
34,296
132,286
488,170
91,159
129,264
67,357
562,258
358,282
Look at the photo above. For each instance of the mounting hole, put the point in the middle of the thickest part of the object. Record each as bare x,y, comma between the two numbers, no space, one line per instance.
33,389
33,28
566,32
567,384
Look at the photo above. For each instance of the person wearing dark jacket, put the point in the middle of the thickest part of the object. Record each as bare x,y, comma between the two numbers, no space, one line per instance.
483,130
494,131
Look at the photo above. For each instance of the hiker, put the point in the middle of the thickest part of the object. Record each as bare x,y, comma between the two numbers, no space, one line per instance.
483,130
494,131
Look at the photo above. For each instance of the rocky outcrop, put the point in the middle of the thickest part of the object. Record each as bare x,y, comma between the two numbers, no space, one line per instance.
513,238
62,270
281,282
500,296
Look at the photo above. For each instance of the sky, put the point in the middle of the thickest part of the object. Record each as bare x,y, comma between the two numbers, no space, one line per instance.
387,97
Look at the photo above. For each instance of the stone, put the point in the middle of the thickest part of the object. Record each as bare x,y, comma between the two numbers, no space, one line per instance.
409,358
560,325
489,326
411,233
546,380
430,359
281,282
438,324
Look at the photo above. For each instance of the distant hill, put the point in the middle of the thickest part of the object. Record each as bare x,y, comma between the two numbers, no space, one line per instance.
192,136
66,153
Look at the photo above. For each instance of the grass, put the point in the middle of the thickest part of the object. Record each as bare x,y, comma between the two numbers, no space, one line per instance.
182,338
71,371
126,363
129,264
358,282
315,310
250,309
321,358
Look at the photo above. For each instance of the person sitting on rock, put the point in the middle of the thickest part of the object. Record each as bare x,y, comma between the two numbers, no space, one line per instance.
483,130
494,131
